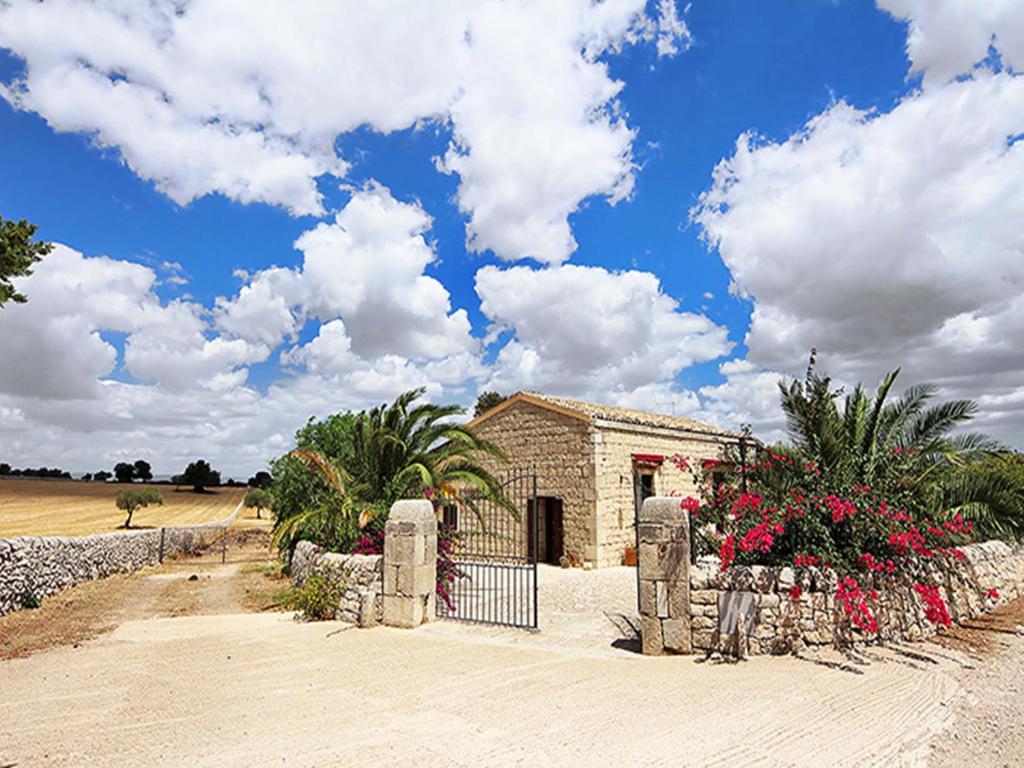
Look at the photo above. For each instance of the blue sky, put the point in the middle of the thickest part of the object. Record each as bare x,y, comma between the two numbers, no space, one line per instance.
765,69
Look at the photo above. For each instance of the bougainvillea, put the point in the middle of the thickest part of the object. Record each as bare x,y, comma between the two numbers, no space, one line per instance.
781,511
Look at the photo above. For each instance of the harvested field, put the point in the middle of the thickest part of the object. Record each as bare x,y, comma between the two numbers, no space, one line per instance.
71,508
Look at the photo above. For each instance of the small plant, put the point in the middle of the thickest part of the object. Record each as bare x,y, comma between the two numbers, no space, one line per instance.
29,601
129,501
317,599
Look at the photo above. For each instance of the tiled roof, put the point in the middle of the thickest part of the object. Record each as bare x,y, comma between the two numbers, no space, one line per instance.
629,415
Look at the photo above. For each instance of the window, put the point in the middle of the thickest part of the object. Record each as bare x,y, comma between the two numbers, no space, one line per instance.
646,485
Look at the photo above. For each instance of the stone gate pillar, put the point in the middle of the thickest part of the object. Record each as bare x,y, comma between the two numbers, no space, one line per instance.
410,564
664,563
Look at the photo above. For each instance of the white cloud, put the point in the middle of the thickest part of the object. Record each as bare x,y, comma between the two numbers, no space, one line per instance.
886,239
366,267
180,390
590,332
246,99
947,38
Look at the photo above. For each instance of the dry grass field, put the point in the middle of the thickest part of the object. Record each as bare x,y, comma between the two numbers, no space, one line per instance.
68,508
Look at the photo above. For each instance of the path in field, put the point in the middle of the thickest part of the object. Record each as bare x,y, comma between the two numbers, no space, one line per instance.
70,508
245,582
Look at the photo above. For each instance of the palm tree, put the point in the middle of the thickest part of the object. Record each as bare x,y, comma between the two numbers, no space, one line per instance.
398,451
854,439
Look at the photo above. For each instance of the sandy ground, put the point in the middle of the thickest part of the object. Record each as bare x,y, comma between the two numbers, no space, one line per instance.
228,689
32,507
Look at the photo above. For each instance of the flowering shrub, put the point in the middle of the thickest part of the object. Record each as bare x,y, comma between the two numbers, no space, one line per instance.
447,569
782,511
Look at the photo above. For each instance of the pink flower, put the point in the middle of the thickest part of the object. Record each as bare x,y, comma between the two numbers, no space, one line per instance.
727,552
690,504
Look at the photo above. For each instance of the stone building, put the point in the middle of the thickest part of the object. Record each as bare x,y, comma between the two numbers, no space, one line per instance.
594,465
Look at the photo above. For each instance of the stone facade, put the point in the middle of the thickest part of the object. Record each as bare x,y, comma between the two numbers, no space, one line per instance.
361,578
34,567
560,449
615,446
587,460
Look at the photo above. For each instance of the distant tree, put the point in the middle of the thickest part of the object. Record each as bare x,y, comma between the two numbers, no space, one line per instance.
261,479
16,473
5,469
200,475
87,477
124,472
129,501
18,252
143,471
259,500
486,401
101,477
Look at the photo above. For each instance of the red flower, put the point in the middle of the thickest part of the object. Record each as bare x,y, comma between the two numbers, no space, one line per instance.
935,609
727,552
841,509
805,561
690,504
760,537
796,592
992,594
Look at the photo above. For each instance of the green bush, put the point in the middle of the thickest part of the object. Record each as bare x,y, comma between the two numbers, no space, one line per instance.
317,599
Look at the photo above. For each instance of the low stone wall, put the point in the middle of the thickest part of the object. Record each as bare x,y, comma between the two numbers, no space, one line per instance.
782,624
34,567
361,578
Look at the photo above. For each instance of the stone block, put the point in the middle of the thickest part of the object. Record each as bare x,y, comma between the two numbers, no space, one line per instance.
704,596
415,581
676,635
648,597
406,612
661,591
651,638
679,600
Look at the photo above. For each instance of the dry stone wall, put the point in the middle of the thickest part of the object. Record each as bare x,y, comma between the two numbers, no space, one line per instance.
783,624
361,578
34,567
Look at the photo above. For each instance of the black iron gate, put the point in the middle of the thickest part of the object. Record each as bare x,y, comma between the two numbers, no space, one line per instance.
495,556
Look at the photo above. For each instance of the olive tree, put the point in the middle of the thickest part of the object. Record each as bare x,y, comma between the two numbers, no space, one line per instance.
259,500
129,501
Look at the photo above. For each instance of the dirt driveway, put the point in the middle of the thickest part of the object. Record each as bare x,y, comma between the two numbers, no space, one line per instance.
261,689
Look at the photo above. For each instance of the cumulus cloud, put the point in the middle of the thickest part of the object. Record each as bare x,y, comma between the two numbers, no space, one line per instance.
180,386
246,100
367,268
57,338
886,239
949,38
589,332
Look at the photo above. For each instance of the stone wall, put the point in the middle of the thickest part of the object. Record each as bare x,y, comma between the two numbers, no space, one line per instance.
560,449
34,567
782,624
361,578
615,446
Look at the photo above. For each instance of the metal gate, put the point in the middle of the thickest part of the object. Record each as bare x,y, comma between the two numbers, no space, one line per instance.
494,555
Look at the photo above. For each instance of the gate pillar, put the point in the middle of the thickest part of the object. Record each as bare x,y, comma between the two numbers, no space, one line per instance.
663,561
410,564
